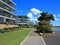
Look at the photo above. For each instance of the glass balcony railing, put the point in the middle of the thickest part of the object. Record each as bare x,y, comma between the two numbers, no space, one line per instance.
7,15
10,10
8,2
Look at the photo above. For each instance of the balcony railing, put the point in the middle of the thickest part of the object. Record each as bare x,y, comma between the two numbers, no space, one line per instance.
22,23
7,4
12,2
7,15
5,7
7,11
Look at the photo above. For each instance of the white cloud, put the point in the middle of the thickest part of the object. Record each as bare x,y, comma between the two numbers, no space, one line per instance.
39,15
35,11
30,15
34,18
55,17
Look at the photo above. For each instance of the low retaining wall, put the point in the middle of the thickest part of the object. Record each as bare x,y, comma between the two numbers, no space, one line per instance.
48,34
6,26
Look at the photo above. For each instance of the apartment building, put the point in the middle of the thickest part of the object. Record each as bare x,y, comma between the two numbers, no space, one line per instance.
7,12
23,20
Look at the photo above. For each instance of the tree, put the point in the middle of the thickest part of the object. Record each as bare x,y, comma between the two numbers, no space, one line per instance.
44,24
45,16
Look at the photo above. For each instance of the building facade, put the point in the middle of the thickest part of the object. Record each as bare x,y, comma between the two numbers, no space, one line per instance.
7,12
23,20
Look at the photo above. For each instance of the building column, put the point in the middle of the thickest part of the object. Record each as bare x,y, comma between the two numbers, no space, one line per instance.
4,19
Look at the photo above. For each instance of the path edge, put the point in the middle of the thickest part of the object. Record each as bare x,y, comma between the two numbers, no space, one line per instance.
43,40
26,38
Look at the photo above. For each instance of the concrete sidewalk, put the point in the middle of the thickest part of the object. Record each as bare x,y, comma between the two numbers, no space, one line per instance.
34,39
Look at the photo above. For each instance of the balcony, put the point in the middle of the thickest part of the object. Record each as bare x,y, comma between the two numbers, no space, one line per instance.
22,23
9,2
1,20
7,8
4,3
6,11
6,15
12,2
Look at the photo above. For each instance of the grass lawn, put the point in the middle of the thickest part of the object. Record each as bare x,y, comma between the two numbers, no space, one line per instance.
14,38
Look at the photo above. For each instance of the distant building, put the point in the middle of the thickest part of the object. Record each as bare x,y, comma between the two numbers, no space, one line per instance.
23,20
7,12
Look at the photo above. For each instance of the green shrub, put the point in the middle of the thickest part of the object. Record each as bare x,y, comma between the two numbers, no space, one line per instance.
2,31
44,26
6,29
9,29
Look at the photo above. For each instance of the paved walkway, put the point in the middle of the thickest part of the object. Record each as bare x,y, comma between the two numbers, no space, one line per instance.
34,39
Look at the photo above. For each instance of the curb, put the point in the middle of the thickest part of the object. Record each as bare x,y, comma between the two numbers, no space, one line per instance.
25,38
43,40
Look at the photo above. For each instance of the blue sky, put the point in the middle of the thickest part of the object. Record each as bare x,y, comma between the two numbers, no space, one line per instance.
32,8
